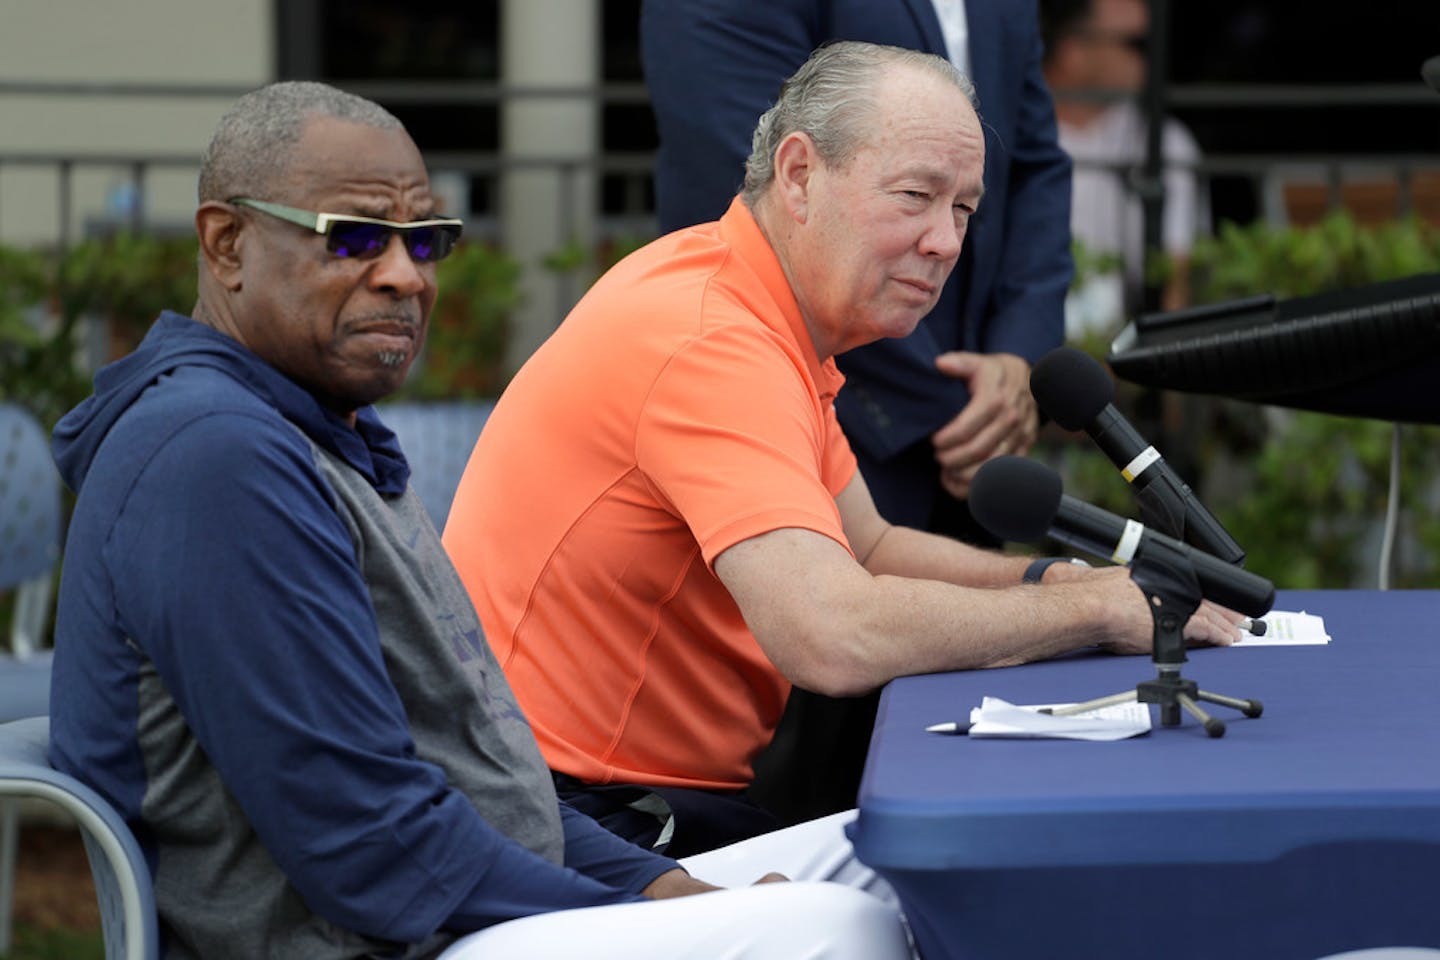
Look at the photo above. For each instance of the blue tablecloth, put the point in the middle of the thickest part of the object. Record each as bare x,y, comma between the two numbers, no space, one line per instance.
1312,829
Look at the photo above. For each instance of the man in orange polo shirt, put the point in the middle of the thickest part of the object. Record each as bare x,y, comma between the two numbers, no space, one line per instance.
662,526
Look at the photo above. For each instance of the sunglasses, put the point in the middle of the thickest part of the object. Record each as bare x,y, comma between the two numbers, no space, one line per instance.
365,238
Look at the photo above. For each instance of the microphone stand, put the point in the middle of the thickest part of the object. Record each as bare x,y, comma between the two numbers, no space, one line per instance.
1162,507
1173,593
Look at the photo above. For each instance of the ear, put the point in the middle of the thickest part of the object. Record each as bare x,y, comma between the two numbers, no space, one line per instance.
219,225
796,163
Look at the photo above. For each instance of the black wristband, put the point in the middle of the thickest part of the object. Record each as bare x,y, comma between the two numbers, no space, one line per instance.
1037,567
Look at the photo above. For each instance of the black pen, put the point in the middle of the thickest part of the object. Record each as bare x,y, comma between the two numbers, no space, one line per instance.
1254,627
952,729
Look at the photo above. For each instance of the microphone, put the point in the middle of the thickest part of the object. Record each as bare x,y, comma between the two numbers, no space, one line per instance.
1022,500
1074,390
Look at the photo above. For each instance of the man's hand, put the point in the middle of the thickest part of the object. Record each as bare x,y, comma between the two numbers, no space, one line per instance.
1134,628
1000,418
678,883
1213,625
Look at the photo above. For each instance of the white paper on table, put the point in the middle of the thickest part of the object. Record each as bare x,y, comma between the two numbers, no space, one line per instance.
1286,629
999,718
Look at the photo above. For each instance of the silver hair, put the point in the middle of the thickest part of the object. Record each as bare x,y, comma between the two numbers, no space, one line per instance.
831,98
250,150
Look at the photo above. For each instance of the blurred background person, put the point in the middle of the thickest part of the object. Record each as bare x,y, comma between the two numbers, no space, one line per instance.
1095,64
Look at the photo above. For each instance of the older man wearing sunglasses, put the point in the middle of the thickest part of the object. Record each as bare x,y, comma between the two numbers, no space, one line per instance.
266,661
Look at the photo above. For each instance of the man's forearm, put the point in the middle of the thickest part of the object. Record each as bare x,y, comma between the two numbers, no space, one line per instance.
905,552
840,629
904,625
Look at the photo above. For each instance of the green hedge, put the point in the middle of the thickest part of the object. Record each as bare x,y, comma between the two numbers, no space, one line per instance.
125,280
1301,492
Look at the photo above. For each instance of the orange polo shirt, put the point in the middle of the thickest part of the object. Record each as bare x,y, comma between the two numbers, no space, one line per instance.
678,410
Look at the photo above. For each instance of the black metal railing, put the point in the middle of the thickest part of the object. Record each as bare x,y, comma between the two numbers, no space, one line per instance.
633,169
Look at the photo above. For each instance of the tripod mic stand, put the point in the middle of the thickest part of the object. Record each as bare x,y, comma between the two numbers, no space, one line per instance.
1173,593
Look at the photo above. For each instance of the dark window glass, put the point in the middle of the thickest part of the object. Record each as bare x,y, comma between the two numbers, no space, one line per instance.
620,29
380,39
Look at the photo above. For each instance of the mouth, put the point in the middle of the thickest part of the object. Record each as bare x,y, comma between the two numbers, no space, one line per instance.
923,287
392,340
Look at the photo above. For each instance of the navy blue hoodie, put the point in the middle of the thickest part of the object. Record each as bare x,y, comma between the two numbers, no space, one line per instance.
265,660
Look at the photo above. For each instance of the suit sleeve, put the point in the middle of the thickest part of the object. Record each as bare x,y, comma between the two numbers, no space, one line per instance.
1027,314
713,67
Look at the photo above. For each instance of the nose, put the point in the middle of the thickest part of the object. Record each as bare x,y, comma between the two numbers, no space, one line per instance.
396,272
944,235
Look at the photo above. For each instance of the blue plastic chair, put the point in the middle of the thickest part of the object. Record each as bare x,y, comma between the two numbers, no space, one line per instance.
29,553
437,439
122,877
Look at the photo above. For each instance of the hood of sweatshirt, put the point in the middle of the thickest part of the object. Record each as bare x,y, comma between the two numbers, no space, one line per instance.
177,341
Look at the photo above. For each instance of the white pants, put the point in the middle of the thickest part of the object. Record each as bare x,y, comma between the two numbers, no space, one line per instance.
836,908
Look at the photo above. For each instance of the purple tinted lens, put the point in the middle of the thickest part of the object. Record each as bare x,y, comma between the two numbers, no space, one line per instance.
430,243
422,243
361,240
364,241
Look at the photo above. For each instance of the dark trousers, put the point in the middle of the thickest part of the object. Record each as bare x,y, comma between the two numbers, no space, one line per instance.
675,821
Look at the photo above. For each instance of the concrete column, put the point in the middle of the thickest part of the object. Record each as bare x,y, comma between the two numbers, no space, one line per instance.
547,44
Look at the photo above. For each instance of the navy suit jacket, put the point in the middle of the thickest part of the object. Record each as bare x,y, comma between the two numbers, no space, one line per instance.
713,66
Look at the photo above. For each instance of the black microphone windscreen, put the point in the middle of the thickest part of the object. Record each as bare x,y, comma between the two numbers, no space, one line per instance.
1071,387
1015,499
1430,70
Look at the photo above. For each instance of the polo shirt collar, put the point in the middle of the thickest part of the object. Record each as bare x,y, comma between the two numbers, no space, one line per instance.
740,231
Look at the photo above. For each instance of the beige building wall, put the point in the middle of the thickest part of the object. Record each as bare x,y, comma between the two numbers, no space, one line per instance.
225,43
229,45
538,56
